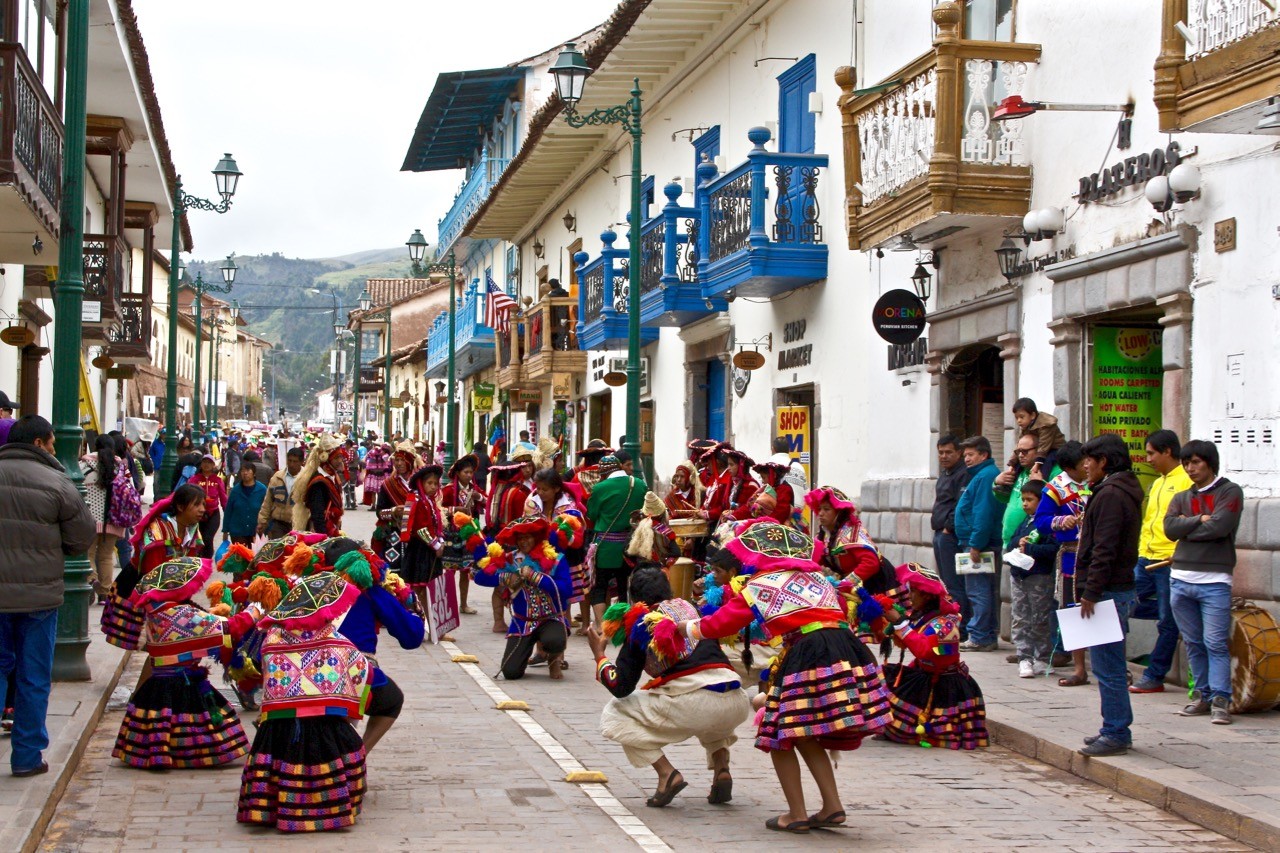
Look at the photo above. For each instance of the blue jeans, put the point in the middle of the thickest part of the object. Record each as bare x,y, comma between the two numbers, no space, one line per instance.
1203,611
945,548
983,592
1109,670
1154,587
26,657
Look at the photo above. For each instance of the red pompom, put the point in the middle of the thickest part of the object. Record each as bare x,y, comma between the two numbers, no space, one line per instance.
240,594
667,642
636,613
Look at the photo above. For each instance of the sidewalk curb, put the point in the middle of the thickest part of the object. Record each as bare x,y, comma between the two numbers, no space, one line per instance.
35,833
1221,816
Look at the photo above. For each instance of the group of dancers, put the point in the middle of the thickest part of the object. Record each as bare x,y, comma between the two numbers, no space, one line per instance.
295,626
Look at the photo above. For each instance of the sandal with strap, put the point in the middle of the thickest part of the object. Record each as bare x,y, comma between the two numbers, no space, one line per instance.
835,820
1073,680
800,827
721,789
661,797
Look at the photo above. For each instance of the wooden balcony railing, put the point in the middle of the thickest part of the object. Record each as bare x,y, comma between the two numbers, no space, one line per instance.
130,338
30,136
1222,80
104,274
923,144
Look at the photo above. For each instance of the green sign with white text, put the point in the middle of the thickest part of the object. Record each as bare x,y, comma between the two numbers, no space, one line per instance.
1126,389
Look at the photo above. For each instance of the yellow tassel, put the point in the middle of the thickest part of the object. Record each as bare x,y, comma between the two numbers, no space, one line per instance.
587,777
512,705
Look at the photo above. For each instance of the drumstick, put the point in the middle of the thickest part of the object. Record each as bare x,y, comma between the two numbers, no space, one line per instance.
1151,567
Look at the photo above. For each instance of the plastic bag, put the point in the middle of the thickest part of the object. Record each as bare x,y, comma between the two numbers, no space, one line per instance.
222,551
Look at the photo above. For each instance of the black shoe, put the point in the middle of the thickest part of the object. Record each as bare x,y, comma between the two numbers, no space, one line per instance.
43,767
1103,746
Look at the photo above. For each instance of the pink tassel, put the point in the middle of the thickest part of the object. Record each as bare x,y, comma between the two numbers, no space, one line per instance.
667,642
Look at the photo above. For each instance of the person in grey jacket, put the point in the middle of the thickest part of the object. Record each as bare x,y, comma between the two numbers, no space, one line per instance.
1202,522
42,520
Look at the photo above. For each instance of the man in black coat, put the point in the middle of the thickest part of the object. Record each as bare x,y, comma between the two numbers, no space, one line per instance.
1104,569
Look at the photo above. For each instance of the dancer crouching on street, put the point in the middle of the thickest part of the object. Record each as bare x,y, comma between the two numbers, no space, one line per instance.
692,692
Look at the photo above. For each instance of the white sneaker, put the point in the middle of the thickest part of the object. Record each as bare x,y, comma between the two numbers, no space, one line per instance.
1026,669
1039,668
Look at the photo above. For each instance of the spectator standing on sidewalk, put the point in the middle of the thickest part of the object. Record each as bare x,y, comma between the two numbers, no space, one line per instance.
42,520
1031,589
952,478
1203,521
978,518
1104,570
1164,453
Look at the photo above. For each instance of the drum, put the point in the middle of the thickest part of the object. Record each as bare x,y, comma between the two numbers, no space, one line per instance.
686,527
682,574
1255,660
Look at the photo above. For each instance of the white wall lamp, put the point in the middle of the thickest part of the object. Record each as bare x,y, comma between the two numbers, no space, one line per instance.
1180,186
1043,223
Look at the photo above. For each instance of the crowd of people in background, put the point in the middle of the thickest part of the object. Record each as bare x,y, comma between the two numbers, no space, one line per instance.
728,551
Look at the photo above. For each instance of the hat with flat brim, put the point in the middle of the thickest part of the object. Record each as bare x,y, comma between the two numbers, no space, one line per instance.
767,546
829,494
173,580
918,578
505,473
469,461
533,525
6,403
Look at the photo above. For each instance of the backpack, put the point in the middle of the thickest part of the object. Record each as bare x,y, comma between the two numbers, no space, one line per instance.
125,509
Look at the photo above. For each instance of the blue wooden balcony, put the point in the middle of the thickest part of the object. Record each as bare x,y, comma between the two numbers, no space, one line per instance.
473,192
670,294
750,244
602,299
473,340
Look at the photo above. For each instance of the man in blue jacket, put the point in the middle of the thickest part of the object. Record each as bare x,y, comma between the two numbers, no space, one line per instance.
978,517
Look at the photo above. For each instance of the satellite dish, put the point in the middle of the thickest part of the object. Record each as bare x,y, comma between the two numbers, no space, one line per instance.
748,360
615,379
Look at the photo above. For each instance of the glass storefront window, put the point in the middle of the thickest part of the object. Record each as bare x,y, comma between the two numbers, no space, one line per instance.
989,20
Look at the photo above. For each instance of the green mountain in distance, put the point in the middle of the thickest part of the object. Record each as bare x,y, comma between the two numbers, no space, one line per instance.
290,302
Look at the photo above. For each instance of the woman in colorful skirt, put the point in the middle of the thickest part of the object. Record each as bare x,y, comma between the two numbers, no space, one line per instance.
935,700
390,508
305,771
825,690
550,499
377,467
540,584
170,530
175,718
460,495
692,690
423,533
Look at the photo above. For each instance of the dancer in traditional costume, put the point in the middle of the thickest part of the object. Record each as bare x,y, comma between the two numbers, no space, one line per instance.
773,475
540,584
692,689
377,467
389,506
704,461
734,487
935,700
652,539
1061,509
175,718
587,472
423,532
609,511
383,603
305,771
507,496
317,491
169,530
684,499
825,690
460,495
550,499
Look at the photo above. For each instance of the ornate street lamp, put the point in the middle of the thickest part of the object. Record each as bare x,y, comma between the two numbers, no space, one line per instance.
570,72
1009,256
227,178
439,273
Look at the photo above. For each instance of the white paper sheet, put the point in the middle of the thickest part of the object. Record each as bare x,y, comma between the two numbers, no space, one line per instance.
1101,628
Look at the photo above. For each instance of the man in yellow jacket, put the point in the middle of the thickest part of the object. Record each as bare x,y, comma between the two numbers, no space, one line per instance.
1163,453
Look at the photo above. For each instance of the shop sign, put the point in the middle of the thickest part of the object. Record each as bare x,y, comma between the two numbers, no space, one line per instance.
561,386
1224,235
796,356
1129,172
793,424
91,311
482,397
528,395
898,317
1128,374
908,355
124,371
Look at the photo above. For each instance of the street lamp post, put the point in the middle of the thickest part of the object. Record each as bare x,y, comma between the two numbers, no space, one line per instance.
227,176
384,313
69,663
213,391
228,277
437,272
570,72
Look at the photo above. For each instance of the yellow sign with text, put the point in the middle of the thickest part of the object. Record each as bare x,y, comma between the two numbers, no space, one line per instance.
794,423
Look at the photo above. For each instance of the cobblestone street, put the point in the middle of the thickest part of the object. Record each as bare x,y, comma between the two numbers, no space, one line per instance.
457,774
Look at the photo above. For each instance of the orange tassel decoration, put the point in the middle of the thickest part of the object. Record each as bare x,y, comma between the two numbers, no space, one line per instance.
299,561
265,591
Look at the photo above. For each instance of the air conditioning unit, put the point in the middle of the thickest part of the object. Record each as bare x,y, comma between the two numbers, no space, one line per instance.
148,405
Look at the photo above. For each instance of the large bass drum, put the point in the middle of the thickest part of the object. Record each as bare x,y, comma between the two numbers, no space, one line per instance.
1255,659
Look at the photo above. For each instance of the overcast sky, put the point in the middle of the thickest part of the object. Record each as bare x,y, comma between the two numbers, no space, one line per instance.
317,101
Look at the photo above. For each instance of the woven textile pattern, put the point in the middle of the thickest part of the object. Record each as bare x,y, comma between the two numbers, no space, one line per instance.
312,672
779,594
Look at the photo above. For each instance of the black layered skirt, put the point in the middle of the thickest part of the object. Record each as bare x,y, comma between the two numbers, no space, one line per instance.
177,719
303,775
943,709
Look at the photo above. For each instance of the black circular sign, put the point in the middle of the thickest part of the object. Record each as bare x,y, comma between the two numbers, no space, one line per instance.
898,317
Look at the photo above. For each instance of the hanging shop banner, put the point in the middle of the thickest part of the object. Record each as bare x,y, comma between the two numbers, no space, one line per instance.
1128,372
528,395
482,397
898,317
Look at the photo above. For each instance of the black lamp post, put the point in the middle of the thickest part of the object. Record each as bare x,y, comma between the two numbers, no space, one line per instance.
1009,256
